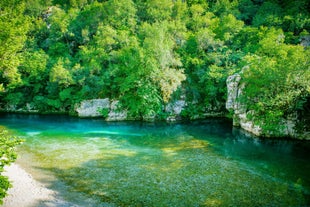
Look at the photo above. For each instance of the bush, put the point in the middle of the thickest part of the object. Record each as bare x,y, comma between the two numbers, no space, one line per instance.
7,156
104,112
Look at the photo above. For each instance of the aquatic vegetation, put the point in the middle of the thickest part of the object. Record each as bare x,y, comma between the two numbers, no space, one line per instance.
171,165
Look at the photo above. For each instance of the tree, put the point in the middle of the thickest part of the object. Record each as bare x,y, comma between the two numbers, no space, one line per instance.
13,27
228,27
120,14
160,59
225,7
269,14
60,75
276,81
33,71
247,10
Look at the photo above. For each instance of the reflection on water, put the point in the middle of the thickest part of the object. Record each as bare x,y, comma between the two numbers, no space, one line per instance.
207,163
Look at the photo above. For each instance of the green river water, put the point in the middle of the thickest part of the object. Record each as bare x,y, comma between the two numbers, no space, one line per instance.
90,162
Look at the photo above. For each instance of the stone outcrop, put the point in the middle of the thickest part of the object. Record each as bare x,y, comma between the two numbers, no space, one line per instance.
115,114
97,107
93,107
240,114
234,90
305,41
174,110
28,108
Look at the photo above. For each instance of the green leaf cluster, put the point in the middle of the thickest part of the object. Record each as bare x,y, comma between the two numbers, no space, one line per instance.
7,156
276,79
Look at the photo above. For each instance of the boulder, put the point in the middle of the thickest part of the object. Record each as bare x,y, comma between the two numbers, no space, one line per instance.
305,41
95,108
174,109
115,114
28,108
92,108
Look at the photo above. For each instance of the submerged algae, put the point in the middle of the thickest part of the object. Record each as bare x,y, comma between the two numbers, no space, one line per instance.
194,164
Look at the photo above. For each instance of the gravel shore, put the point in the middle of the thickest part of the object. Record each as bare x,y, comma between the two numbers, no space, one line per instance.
27,192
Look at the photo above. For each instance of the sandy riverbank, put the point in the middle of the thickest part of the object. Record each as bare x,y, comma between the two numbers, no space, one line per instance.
27,192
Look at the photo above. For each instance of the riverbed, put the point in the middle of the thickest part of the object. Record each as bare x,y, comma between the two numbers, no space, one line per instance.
90,162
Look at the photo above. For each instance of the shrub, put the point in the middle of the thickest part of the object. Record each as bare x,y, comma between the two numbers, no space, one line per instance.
7,156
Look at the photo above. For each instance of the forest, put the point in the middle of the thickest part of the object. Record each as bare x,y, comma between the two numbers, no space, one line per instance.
147,53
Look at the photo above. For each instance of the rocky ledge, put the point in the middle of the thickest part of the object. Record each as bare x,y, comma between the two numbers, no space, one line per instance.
101,108
110,110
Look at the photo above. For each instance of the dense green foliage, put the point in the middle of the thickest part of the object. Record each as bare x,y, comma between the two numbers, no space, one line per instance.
7,156
277,81
148,53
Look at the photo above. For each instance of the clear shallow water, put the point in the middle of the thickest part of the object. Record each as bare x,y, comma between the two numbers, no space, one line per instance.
205,163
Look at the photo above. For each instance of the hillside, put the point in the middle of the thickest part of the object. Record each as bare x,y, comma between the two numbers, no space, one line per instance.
147,54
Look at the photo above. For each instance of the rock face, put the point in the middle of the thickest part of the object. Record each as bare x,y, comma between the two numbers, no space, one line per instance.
96,108
234,90
305,41
92,108
28,108
240,112
109,110
115,114
174,110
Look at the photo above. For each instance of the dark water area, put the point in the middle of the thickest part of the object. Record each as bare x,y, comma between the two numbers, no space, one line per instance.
91,162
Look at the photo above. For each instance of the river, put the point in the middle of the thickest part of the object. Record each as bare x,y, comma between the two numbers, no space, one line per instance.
91,162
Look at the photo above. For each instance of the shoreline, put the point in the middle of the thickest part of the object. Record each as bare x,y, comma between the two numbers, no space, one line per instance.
27,192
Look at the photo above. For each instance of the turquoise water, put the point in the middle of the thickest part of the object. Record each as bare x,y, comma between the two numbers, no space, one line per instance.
90,162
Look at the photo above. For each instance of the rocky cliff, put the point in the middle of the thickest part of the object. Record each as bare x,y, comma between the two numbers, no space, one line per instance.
240,114
239,110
